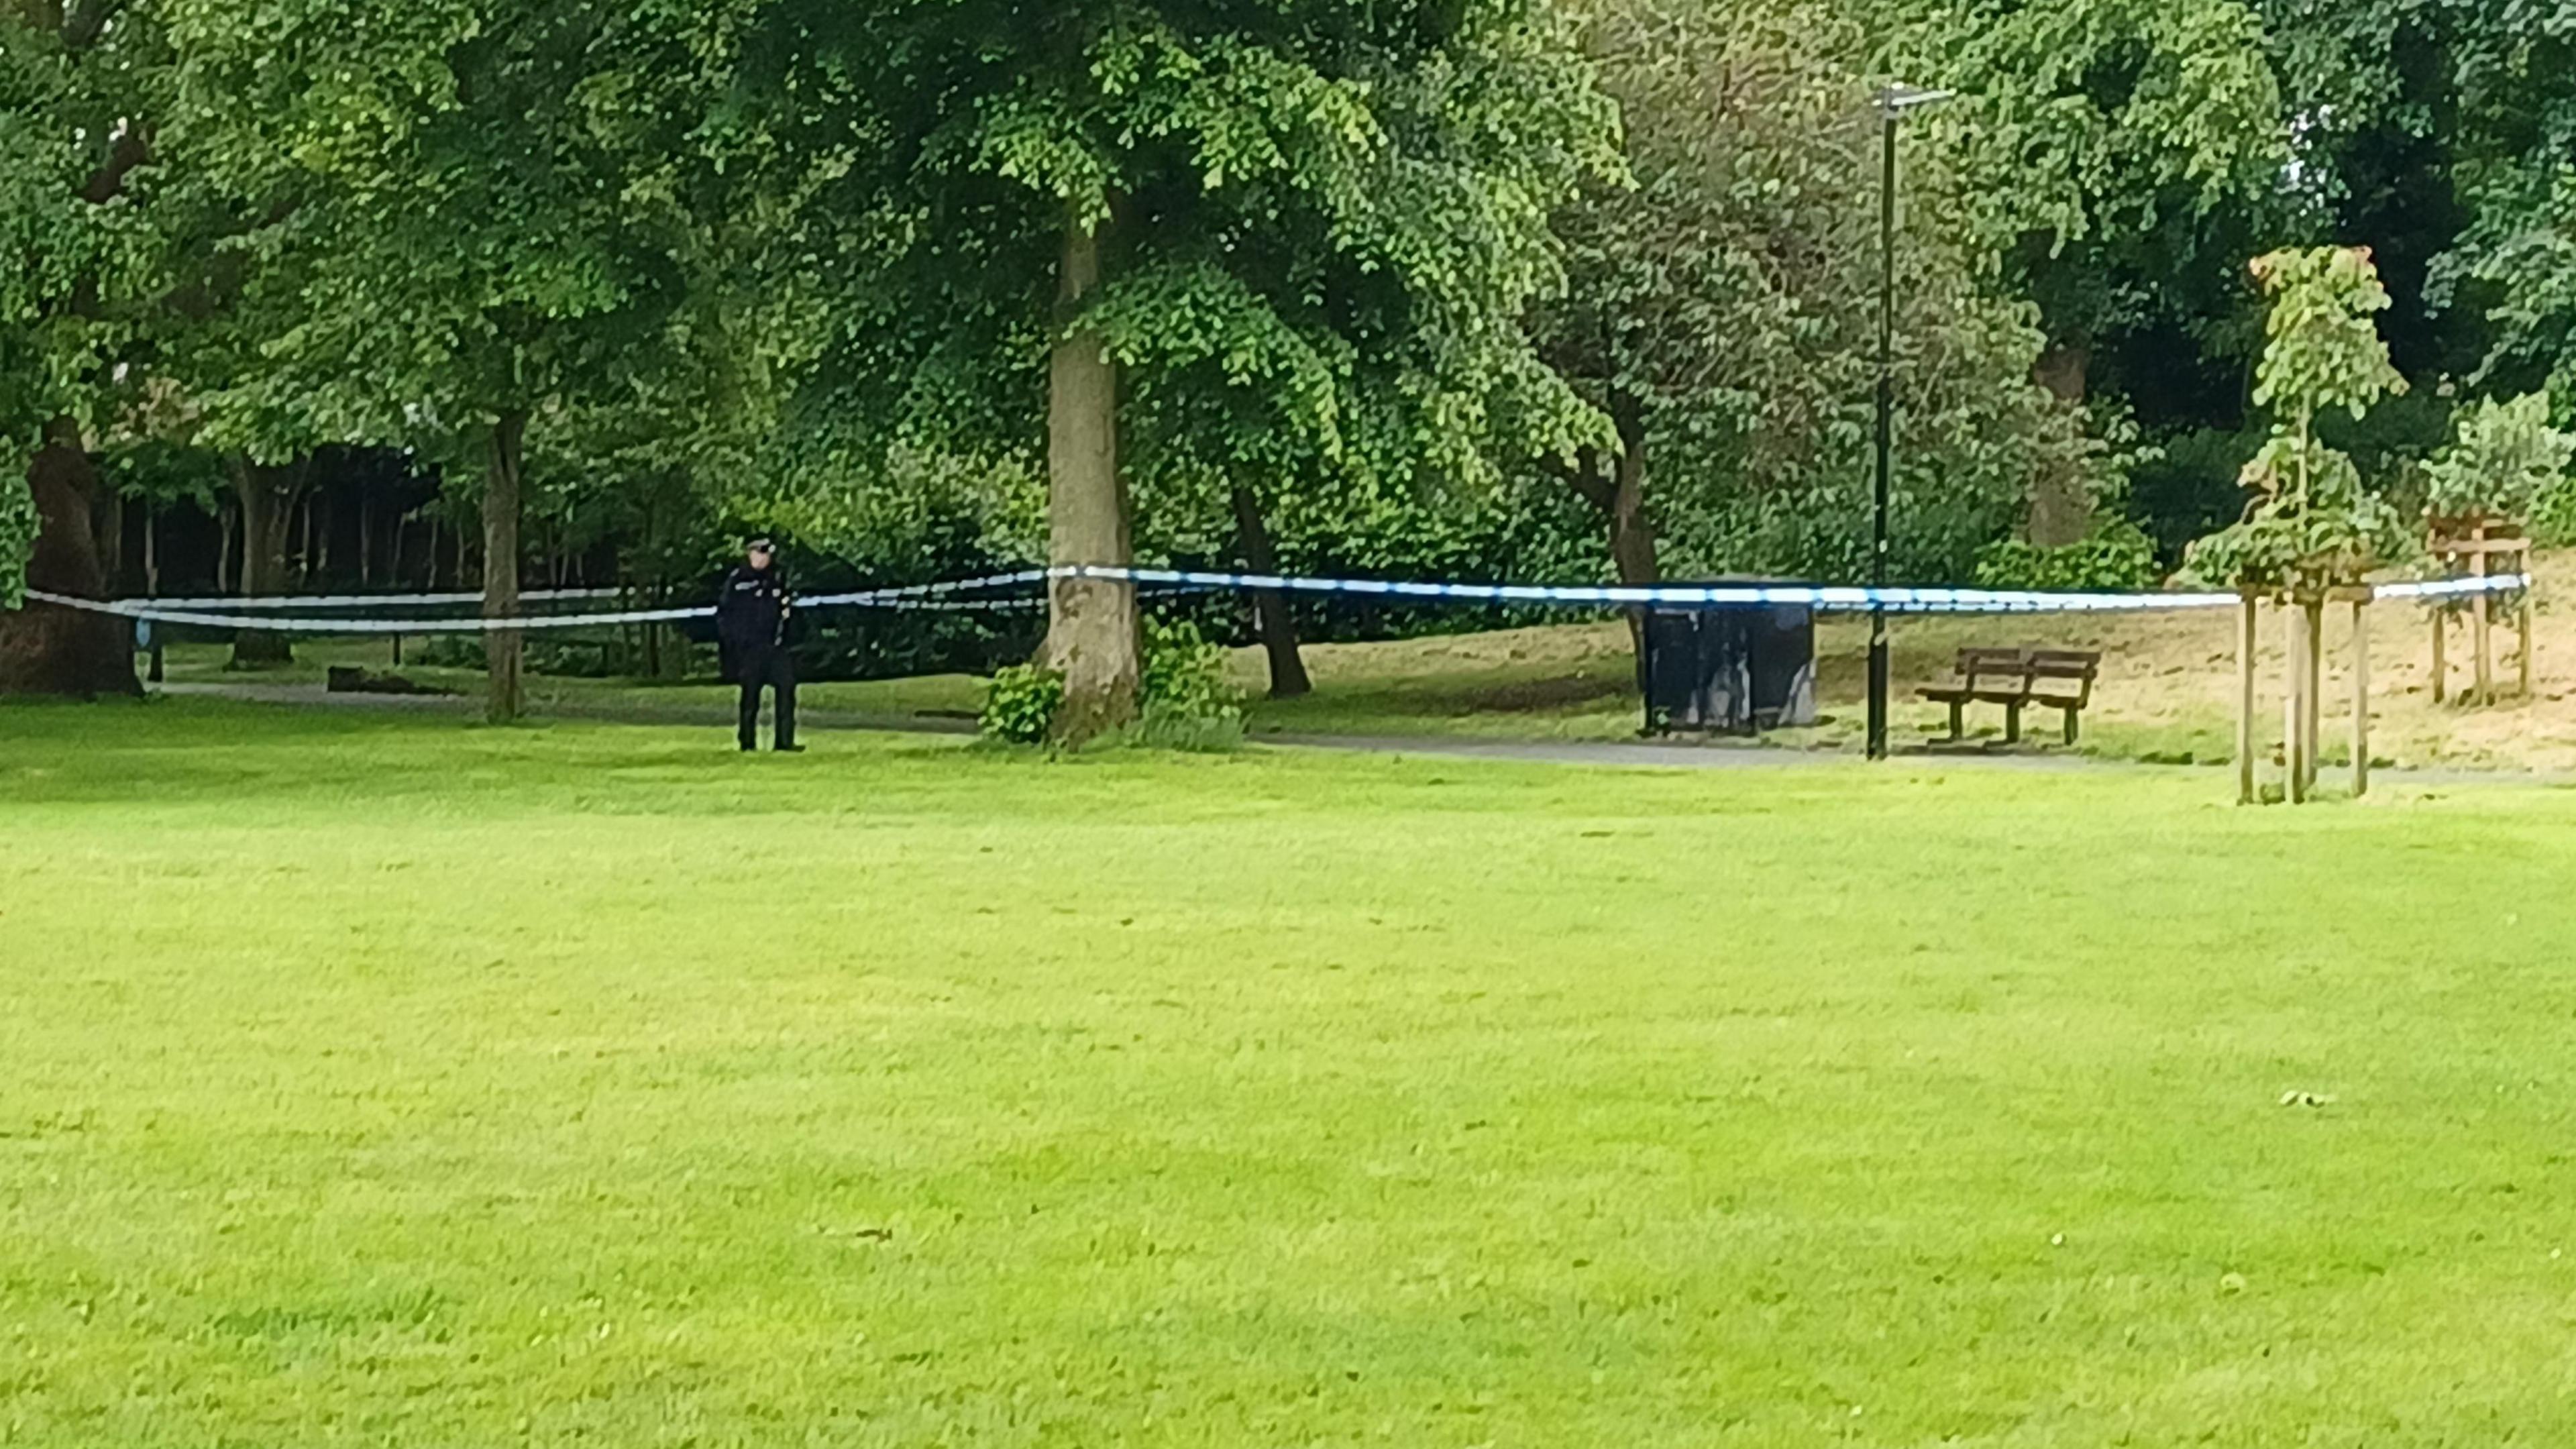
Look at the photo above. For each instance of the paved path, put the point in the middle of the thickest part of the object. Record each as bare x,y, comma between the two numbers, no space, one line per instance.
1637,754
1631,754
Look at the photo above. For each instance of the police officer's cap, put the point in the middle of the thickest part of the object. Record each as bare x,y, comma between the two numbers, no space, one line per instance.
759,545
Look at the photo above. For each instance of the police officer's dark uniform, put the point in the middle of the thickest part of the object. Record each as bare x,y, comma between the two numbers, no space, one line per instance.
751,633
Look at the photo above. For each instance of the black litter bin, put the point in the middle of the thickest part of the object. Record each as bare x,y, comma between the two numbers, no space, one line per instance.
1730,670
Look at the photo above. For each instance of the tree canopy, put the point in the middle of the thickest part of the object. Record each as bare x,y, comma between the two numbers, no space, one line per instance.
942,283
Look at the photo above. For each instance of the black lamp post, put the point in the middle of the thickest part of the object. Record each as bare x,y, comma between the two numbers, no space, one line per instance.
1892,104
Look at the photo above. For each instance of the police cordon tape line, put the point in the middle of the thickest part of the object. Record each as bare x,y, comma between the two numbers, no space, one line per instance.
230,604
947,596
1722,596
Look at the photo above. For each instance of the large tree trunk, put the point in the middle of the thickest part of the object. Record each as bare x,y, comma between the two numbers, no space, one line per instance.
2061,510
1270,618
1091,628
45,648
267,496
502,647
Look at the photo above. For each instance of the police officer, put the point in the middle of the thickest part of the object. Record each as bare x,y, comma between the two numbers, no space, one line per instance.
752,608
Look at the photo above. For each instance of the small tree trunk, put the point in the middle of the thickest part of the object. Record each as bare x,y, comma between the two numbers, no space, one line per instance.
1632,537
1091,629
2061,510
366,542
225,524
152,583
1270,617
502,647
45,648
267,497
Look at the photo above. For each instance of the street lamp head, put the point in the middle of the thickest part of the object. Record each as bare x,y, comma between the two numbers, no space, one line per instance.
1895,100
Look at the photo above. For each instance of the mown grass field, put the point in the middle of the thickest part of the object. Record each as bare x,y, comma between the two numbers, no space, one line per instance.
384,1081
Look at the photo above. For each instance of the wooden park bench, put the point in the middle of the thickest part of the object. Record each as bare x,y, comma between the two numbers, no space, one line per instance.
2058,679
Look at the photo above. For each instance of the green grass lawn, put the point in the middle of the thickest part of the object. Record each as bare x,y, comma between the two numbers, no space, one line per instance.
385,1081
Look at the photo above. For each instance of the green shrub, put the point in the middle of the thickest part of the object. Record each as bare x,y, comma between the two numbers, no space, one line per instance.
2118,558
1185,701
1022,703
2506,461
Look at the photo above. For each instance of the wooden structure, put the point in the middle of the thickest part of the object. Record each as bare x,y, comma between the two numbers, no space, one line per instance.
2302,615
2015,679
2480,546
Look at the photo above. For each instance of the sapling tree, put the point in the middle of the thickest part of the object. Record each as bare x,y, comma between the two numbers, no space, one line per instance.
2312,523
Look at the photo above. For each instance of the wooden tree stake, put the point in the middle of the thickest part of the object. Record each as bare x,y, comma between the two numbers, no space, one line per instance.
2245,638
2441,670
2294,714
2314,694
2482,641
2360,699
2522,622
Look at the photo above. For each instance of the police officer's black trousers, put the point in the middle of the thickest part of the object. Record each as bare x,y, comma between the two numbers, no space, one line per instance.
768,669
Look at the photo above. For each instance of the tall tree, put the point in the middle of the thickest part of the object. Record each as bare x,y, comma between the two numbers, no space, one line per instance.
81,87
472,216
1209,245
2122,156
1724,312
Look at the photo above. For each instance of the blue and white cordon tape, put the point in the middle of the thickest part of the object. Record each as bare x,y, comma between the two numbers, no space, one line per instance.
979,593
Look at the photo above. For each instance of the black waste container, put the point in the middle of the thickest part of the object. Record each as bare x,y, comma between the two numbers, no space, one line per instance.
1731,670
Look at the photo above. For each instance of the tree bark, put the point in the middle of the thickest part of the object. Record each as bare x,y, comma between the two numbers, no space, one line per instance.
1632,538
110,531
1091,628
1620,497
1270,617
2061,510
45,648
502,648
268,496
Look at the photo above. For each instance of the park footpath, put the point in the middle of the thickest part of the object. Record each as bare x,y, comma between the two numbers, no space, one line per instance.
1610,754
1614,754
1638,754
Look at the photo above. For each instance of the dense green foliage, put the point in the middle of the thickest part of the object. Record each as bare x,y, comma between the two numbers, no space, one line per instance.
2118,557
1724,312
2506,462
674,271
